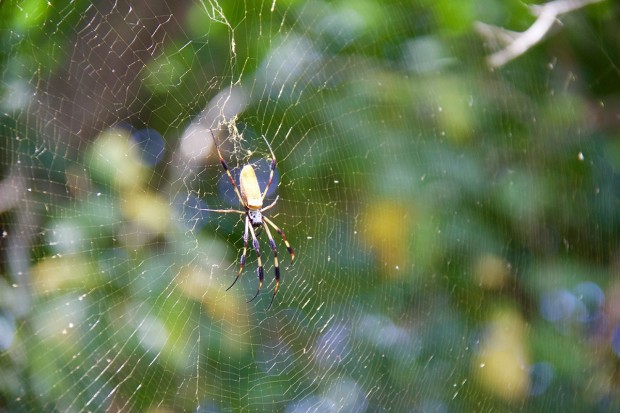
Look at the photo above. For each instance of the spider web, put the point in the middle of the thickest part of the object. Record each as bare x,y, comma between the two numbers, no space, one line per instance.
440,258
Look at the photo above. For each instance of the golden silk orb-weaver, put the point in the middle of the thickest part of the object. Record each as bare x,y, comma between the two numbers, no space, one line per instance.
252,199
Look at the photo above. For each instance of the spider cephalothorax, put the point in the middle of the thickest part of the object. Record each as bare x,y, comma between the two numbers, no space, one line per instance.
256,217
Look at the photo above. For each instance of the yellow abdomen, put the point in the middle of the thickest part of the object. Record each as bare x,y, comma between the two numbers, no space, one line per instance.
250,191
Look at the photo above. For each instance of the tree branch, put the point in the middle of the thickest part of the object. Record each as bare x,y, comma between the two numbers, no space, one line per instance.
514,43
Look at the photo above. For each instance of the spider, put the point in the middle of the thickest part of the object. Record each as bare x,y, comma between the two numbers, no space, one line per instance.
251,198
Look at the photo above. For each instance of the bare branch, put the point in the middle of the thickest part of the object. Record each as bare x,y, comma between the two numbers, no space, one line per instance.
515,43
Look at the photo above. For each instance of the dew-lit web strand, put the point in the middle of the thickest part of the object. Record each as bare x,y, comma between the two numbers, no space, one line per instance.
308,68
249,226
117,354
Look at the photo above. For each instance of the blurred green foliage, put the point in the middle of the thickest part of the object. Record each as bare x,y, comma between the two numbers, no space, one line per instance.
457,227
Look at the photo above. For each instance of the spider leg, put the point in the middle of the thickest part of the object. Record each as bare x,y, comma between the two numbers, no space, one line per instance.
276,265
261,274
270,205
223,210
225,166
245,250
272,168
279,231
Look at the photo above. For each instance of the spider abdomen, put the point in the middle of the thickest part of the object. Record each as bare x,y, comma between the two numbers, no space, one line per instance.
250,191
